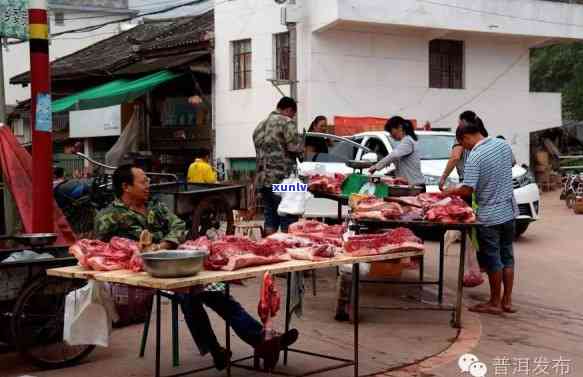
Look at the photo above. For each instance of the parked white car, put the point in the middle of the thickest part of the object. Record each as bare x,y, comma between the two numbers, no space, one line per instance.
435,150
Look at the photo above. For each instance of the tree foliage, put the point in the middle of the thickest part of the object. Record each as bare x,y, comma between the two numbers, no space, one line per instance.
559,68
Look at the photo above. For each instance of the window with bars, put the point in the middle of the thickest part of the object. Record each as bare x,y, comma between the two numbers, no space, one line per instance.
242,64
446,64
60,19
282,56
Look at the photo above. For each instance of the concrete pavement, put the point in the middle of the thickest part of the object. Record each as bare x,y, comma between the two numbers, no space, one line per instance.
545,338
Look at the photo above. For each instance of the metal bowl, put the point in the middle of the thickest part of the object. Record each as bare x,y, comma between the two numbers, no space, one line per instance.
36,239
174,263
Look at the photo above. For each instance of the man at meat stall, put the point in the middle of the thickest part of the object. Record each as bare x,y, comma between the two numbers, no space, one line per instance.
133,212
277,145
488,173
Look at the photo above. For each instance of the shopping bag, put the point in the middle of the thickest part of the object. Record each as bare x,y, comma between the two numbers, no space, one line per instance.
293,202
89,312
472,275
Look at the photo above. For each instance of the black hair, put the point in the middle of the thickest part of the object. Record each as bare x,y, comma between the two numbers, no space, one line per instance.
202,153
287,103
316,120
470,117
467,129
121,175
59,172
397,121
500,137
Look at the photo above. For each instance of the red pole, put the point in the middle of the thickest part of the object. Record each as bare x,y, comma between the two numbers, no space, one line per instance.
41,119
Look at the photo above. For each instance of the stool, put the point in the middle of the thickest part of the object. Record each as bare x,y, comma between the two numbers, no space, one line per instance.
175,339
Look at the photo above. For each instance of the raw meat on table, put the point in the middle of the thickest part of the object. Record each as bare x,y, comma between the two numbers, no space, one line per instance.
201,243
430,198
119,254
373,208
405,200
232,253
450,210
313,253
392,211
412,213
399,239
317,232
394,181
290,240
371,203
324,183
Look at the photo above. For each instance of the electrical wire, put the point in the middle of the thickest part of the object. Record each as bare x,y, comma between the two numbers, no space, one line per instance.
148,7
127,19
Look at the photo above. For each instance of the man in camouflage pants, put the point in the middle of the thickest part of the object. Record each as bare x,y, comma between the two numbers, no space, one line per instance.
130,214
277,145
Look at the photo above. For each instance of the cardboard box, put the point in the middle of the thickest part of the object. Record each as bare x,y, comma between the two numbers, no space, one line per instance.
386,269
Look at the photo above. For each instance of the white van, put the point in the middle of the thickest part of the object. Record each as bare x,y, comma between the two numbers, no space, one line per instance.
435,150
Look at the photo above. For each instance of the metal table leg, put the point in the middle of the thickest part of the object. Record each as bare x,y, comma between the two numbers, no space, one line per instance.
175,334
441,268
355,304
340,211
287,312
228,332
457,322
158,331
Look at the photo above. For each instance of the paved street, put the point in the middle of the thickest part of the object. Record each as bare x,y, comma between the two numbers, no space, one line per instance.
548,294
549,323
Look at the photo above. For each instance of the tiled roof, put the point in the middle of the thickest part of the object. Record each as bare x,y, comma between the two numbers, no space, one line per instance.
147,41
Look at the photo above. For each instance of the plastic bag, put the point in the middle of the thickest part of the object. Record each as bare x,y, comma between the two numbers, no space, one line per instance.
293,202
363,269
472,275
89,312
368,188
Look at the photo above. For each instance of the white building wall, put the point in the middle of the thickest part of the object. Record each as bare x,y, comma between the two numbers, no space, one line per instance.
348,73
17,58
239,111
510,17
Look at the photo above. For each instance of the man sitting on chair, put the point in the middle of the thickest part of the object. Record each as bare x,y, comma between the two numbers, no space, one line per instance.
133,212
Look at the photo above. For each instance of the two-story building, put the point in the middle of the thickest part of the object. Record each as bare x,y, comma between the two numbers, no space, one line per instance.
423,59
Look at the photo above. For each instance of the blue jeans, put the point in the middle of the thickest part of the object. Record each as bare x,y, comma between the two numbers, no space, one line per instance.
496,249
197,320
272,219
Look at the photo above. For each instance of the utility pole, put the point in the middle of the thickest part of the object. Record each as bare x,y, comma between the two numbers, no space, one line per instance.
2,96
41,118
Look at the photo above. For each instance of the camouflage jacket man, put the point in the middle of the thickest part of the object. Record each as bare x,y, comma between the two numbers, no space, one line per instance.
277,144
118,220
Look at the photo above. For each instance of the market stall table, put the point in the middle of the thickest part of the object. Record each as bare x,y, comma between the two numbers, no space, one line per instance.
338,198
144,280
362,226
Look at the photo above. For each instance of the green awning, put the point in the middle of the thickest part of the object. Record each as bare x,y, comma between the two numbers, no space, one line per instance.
112,93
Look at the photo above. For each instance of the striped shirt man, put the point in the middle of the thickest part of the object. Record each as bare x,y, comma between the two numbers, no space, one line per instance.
488,171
